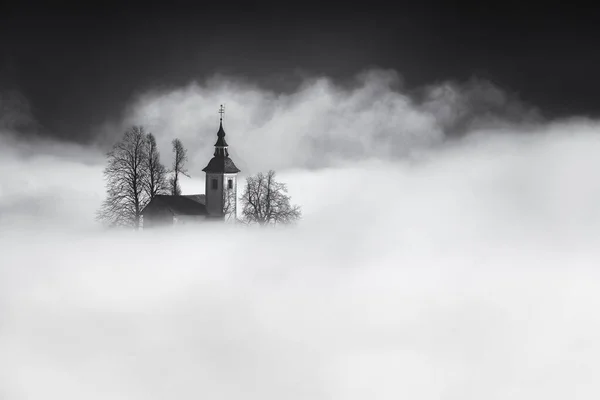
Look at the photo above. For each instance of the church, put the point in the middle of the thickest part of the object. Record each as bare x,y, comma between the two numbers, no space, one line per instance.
220,196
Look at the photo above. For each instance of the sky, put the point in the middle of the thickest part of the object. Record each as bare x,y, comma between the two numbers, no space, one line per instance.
450,233
79,66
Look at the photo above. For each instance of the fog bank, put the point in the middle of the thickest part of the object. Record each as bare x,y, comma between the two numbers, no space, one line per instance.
462,269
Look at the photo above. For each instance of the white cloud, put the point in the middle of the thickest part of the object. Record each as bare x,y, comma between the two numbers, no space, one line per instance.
321,124
47,183
467,270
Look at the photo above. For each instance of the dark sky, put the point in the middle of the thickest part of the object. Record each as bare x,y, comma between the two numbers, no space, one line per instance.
80,65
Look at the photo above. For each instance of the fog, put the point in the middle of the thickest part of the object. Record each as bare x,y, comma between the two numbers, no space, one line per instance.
446,251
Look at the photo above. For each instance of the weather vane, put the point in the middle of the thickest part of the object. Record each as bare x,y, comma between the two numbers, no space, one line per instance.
221,111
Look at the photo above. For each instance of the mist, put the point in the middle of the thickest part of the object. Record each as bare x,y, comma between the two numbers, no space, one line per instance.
446,251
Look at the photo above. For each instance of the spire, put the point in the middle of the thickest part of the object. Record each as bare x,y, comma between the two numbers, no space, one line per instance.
221,111
221,133
221,163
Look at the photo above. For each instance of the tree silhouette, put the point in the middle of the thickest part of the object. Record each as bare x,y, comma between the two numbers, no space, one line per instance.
178,167
265,202
155,179
229,205
125,177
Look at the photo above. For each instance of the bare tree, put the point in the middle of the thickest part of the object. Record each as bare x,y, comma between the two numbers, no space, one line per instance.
178,167
155,181
229,205
125,175
265,201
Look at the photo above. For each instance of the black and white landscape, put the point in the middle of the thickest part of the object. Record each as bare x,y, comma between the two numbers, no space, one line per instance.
450,234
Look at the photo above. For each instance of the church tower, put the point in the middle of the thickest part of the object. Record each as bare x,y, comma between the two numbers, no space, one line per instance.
221,179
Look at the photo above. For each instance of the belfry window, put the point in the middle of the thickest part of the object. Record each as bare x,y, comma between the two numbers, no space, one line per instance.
230,184
215,184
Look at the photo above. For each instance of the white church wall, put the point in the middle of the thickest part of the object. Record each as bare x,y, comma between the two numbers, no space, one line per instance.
214,196
233,178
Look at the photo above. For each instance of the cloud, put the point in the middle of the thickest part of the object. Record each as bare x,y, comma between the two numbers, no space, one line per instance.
476,104
48,183
466,269
15,108
322,123
15,112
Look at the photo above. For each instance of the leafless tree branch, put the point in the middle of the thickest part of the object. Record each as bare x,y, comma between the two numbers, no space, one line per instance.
265,202
229,205
155,181
126,175
178,167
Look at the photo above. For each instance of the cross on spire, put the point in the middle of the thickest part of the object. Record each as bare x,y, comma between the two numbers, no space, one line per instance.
221,111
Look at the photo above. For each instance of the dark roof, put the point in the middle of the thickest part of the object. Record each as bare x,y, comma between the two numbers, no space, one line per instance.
221,164
200,198
179,205
221,137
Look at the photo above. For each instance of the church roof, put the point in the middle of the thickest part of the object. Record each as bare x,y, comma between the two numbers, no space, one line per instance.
200,198
179,205
221,164
221,137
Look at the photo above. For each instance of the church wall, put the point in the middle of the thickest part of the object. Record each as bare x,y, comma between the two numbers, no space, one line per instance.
214,197
233,177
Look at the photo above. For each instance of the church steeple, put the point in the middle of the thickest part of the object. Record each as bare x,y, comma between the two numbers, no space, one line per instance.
221,163
221,143
221,177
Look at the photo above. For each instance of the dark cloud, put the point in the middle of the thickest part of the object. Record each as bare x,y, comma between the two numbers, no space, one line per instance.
79,66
